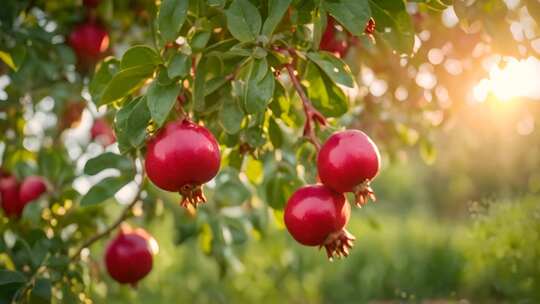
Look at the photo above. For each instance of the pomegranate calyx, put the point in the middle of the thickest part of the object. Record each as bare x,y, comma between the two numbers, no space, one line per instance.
363,193
337,244
192,195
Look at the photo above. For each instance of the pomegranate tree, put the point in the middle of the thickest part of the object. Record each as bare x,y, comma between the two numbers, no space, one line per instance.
129,256
315,215
347,162
181,158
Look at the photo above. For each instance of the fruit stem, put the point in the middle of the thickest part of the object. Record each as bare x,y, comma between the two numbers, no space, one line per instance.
312,115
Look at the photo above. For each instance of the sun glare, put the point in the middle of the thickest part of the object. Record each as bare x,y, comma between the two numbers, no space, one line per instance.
516,79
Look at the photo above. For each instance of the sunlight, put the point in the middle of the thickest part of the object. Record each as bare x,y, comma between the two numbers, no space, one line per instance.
517,78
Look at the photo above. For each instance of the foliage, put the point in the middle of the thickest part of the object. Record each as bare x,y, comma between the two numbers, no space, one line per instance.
233,66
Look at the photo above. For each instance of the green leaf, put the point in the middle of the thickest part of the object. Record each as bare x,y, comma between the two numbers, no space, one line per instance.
199,84
15,58
352,14
179,66
276,135
103,190
260,87
279,187
334,68
276,10
105,161
126,82
9,277
323,93
161,99
231,116
392,15
137,123
131,122
254,170
139,55
255,137
199,40
428,152
171,17
103,75
41,293
243,20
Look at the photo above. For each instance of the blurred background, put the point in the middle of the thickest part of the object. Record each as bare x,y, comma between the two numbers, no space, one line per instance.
458,212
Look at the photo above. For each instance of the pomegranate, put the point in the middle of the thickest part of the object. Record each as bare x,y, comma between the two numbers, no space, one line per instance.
129,255
315,215
102,132
89,41
334,39
9,196
182,157
347,162
91,3
31,188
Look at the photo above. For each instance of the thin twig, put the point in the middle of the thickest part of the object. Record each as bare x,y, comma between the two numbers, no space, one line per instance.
311,113
123,216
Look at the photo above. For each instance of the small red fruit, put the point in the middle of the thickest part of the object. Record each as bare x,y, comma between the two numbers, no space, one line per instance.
370,27
315,215
334,39
102,132
128,256
9,196
91,3
31,188
89,41
347,162
182,157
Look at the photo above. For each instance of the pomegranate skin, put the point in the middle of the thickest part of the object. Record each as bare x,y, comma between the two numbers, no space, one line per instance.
181,154
31,188
128,256
91,3
347,160
102,132
331,43
9,196
314,212
90,41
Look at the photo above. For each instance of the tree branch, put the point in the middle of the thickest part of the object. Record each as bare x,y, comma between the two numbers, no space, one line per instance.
312,115
123,216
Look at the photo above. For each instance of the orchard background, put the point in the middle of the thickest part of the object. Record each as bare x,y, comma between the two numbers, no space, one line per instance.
447,90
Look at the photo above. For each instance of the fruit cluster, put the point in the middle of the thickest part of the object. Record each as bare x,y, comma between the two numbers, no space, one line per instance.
316,215
14,196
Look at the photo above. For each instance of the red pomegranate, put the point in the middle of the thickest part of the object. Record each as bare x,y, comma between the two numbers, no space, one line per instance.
129,255
89,41
334,40
181,158
347,162
316,216
91,3
9,196
31,188
102,132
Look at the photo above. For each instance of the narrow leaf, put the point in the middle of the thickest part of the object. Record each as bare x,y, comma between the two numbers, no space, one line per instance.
243,20
161,99
276,10
171,17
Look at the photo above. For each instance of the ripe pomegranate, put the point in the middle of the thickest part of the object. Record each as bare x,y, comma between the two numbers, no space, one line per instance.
91,3
315,215
31,188
9,196
102,132
129,255
182,157
89,41
335,39
347,162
